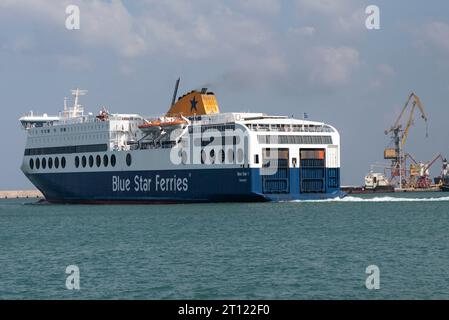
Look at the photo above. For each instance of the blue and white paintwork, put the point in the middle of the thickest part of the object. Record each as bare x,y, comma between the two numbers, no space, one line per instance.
156,173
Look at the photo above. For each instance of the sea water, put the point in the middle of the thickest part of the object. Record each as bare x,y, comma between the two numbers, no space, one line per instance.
286,250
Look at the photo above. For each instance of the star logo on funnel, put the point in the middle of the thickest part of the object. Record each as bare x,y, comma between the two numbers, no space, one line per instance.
193,104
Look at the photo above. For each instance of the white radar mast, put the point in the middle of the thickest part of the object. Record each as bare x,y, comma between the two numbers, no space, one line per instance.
77,109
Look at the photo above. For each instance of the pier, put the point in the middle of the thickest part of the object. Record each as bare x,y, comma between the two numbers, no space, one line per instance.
19,194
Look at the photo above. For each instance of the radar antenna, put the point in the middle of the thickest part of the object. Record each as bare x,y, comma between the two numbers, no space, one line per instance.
76,106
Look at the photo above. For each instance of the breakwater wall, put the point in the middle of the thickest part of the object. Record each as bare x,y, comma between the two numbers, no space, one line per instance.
17,194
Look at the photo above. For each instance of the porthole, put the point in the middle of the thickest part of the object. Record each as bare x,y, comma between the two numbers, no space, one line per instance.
113,160
91,161
63,163
98,161
31,164
50,163
84,161
77,161
212,156
56,162
203,156
44,163
128,160
38,164
105,160
222,153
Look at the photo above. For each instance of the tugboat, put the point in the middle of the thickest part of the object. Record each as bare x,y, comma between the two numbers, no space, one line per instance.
374,183
378,182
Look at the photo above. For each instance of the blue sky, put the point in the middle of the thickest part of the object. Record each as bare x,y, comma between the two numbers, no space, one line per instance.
278,57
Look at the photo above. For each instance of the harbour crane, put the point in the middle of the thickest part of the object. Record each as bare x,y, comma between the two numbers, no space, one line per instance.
419,172
400,135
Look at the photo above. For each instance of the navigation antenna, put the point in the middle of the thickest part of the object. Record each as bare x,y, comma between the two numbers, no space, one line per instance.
77,93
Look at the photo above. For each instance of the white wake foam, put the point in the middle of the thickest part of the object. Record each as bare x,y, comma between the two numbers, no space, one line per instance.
379,199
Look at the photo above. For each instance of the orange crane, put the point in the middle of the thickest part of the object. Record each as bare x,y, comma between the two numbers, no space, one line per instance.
419,172
400,135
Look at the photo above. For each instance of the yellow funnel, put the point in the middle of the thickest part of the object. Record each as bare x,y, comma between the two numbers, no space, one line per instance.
194,103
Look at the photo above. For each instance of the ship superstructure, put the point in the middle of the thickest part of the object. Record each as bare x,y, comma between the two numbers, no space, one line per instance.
193,153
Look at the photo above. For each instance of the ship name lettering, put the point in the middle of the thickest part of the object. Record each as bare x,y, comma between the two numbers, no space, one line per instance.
171,184
120,185
142,184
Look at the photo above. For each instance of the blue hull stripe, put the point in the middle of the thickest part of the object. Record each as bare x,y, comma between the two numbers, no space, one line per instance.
201,185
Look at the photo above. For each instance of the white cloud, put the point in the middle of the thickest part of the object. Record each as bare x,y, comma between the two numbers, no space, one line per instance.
437,34
332,66
342,17
324,6
104,24
386,69
302,31
375,84
260,72
270,7
247,45
34,10
73,62
217,33
20,45
126,70
109,25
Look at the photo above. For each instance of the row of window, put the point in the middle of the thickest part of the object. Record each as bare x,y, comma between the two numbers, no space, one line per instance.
44,163
287,139
212,157
288,127
217,141
76,128
78,137
98,161
83,161
90,128
69,149
217,127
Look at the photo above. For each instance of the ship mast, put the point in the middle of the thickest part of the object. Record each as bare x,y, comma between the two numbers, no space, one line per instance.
76,106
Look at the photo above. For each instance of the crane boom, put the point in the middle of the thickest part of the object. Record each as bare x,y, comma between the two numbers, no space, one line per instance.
397,125
408,126
400,133
432,162
397,122
416,102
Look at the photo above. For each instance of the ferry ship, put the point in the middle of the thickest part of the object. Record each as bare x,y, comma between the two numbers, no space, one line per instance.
193,153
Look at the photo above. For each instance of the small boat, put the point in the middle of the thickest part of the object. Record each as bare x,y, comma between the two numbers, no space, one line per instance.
445,184
162,123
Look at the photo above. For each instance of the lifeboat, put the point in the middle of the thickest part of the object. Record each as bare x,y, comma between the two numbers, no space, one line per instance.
163,123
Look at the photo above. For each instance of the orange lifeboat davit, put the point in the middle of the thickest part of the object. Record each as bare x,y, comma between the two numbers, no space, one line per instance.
162,123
